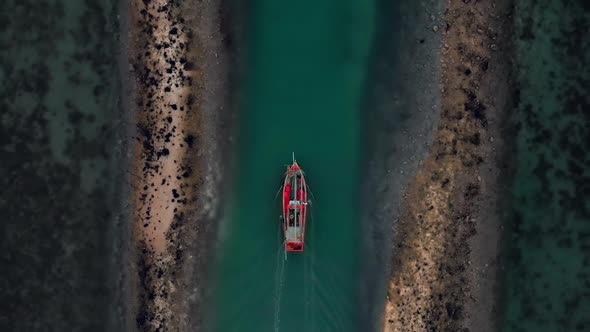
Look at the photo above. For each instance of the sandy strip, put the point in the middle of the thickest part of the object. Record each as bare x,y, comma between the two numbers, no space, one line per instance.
434,269
166,138
166,169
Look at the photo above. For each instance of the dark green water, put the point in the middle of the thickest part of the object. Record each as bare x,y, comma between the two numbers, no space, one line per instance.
548,271
58,110
304,82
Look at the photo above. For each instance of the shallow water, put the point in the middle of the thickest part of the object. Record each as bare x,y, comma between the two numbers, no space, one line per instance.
548,269
58,104
304,83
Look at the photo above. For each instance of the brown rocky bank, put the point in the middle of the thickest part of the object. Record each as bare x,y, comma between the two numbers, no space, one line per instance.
178,63
446,247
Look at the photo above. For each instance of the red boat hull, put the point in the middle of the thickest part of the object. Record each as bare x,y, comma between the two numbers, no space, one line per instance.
294,208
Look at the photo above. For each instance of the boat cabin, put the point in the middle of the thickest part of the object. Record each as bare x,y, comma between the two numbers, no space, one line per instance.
294,208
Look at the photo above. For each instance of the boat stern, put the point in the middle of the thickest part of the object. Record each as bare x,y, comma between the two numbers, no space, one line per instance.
292,246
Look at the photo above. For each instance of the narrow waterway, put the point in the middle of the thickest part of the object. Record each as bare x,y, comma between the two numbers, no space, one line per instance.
306,69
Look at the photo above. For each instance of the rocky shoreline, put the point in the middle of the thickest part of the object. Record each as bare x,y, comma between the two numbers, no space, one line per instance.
179,69
401,115
446,247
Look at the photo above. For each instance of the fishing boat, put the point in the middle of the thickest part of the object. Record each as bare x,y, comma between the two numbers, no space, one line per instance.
294,207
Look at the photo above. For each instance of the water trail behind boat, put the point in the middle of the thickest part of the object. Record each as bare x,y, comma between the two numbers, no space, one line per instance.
311,278
307,295
309,275
279,279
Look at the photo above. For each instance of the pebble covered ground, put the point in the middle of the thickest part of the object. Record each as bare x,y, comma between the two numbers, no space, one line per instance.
401,113
176,56
433,269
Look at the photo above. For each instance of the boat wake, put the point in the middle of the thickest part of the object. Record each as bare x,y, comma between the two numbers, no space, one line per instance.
279,280
309,281
311,277
309,292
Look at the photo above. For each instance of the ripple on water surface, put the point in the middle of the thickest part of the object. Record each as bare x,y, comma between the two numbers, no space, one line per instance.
304,85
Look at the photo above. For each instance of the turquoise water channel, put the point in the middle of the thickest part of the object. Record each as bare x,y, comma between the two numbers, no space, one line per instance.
306,69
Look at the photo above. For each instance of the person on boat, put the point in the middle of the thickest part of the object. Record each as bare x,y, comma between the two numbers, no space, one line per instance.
291,218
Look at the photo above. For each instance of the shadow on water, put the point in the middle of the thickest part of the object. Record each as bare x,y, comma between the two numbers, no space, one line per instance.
401,95
377,234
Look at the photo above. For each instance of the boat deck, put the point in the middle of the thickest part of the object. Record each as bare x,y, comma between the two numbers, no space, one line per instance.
294,207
